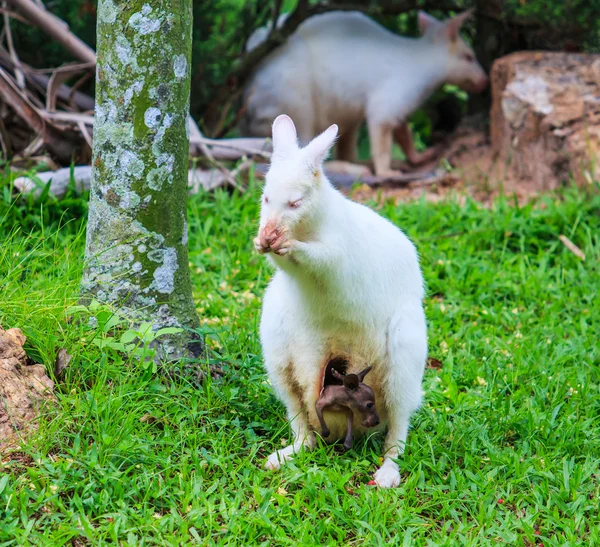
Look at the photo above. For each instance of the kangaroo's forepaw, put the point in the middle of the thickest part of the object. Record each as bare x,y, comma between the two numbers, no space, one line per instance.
259,246
282,248
388,475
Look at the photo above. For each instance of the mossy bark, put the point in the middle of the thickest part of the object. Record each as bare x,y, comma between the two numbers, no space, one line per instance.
136,253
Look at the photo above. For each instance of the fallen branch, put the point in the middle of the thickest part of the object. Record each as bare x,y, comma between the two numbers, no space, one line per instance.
56,28
19,76
233,149
82,176
5,141
219,149
58,78
214,178
347,179
44,119
195,136
34,76
69,117
16,16
33,147
199,140
209,156
60,143
14,97
86,134
229,177
417,178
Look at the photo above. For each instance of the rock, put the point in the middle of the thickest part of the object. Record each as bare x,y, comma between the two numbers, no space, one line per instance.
24,388
545,118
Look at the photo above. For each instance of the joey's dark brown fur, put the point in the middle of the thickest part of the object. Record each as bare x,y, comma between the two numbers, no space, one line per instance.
353,396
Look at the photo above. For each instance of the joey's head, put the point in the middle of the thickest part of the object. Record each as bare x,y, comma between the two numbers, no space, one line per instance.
359,397
461,66
292,201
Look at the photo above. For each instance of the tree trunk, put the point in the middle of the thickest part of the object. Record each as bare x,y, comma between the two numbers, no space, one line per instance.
136,253
488,44
545,119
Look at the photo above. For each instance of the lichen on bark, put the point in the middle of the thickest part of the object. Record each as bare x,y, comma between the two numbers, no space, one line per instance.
136,252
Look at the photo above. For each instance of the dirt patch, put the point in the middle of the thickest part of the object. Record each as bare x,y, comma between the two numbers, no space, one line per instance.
24,388
473,170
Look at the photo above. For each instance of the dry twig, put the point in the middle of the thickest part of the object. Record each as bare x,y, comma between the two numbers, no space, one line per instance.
20,77
572,247
209,156
56,28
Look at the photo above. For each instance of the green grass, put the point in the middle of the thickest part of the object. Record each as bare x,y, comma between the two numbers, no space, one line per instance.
505,450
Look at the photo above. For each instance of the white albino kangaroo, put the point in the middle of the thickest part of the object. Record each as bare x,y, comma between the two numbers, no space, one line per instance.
343,67
347,284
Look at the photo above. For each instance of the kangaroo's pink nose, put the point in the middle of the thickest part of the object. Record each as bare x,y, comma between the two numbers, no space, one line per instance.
268,234
266,238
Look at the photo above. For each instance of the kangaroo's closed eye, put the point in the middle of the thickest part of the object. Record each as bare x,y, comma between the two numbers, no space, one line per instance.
266,199
295,204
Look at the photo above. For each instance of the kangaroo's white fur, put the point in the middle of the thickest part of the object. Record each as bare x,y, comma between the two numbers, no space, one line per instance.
347,283
342,67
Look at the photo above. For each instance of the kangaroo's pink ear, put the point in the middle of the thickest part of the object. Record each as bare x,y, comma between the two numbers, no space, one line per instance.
452,26
317,150
285,139
428,23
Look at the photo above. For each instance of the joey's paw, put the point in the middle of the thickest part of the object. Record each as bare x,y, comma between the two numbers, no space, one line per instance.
388,475
259,246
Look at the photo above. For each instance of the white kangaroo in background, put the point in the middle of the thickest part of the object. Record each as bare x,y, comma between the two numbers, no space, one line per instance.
342,67
347,284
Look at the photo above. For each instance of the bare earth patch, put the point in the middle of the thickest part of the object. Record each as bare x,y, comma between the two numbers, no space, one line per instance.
24,388
473,170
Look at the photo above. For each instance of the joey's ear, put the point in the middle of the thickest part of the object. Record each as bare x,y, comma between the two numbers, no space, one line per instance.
428,23
336,374
351,382
452,26
316,151
285,140
363,373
